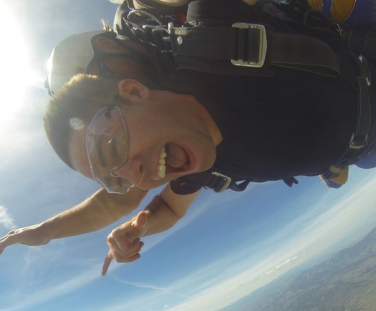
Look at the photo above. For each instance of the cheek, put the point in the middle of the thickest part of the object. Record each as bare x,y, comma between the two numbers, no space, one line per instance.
143,130
81,164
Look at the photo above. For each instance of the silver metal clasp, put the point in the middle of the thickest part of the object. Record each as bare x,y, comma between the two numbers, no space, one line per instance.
225,178
356,145
263,46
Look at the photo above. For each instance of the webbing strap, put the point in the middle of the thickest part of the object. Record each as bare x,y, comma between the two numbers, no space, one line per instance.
219,182
360,41
359,139
212,48
362,44
305,53
213,45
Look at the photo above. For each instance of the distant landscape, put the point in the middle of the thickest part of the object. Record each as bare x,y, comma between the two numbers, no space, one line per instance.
345,282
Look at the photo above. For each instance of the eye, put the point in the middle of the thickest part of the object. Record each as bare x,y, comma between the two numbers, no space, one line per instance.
113,149
117,148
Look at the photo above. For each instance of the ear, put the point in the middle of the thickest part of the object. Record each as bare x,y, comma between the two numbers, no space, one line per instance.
107,45
133,90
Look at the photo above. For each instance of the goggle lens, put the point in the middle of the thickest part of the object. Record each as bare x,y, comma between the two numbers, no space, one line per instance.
107,148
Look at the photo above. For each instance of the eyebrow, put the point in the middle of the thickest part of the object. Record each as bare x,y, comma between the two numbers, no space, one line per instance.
102,159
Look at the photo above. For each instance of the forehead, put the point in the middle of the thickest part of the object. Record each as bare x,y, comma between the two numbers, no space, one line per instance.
77,151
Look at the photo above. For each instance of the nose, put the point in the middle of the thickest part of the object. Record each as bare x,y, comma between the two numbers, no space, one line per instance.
132,170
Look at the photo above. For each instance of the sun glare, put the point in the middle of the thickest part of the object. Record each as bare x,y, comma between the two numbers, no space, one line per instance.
16,74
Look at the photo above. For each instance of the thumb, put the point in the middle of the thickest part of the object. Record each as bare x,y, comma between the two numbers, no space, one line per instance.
141,220
139,225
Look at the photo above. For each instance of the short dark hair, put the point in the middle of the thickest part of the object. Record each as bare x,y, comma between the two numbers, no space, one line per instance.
80,98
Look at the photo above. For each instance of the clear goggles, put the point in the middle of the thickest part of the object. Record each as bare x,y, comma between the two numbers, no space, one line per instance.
107,148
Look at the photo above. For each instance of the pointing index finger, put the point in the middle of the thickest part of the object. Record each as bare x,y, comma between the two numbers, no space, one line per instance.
106,263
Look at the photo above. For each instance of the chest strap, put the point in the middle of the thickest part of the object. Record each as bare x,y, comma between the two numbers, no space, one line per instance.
250,49
241,49
219,182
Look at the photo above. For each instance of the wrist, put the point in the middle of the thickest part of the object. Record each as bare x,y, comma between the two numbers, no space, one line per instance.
43,230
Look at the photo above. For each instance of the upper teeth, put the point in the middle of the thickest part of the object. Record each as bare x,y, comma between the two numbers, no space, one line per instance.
162,164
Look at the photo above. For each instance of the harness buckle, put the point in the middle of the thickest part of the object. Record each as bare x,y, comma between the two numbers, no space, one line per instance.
366,74
358,143
219,179
251,60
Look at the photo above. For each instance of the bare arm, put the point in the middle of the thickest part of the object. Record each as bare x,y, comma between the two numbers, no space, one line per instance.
95,213
166,209
160,214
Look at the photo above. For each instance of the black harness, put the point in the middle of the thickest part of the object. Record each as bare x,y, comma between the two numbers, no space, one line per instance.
255,49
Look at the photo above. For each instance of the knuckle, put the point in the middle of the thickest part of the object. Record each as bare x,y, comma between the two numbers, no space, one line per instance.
110,239
116,232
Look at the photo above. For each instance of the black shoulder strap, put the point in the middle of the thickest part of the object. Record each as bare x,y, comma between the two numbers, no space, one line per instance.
249,49
240,48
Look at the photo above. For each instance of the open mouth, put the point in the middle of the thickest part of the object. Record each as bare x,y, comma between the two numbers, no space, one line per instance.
173,159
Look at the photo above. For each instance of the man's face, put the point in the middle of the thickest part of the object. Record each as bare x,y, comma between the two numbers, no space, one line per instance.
157,122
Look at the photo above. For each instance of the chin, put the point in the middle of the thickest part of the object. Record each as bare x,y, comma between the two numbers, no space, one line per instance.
152,184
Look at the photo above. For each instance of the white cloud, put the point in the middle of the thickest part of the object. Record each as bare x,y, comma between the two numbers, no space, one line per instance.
288,261
165,290
6,219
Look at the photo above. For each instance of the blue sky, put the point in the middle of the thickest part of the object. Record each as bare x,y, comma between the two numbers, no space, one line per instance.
227,246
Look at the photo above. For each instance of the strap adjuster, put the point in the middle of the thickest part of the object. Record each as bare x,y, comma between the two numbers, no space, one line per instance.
220,180
252,61
358,143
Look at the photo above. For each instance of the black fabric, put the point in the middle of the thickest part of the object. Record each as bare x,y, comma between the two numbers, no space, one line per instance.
210,49
292,124
278,127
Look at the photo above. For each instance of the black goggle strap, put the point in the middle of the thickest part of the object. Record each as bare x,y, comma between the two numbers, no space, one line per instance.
100,57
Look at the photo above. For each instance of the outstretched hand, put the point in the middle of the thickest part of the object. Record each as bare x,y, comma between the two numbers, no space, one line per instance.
31,236
124,241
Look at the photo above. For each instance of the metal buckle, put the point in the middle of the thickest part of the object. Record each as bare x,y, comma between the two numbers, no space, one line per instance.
226,178
354,145
262,47
368,75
